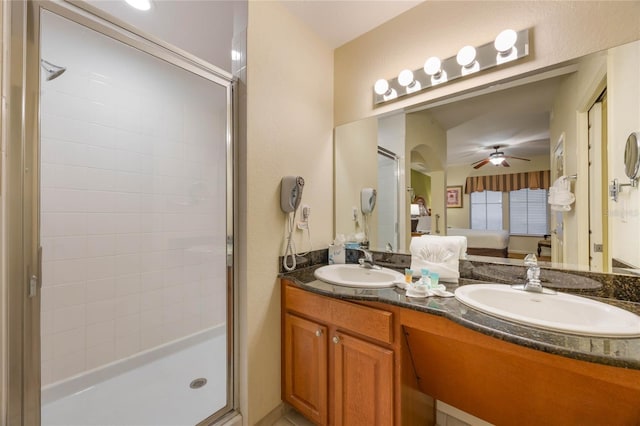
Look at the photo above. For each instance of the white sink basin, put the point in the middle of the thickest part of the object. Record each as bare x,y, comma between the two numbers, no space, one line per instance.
350,275
560,312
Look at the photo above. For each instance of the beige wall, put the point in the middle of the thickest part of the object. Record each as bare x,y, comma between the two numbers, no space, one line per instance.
425,136
438,203
289,132
623,92
561,31
569,121
356,157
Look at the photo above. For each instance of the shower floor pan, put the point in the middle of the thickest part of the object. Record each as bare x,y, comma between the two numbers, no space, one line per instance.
151,388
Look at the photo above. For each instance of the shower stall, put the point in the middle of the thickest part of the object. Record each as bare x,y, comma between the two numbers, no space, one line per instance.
130,220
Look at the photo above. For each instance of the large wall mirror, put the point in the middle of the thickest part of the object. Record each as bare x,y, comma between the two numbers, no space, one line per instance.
483,164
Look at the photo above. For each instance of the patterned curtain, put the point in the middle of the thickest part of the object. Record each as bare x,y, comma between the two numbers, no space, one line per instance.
509,182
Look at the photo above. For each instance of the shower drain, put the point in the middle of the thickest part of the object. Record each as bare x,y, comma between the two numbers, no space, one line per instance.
198,383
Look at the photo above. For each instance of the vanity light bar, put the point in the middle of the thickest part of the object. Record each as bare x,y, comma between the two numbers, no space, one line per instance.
508,46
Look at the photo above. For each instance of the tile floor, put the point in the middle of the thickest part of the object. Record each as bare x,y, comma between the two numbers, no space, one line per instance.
292,418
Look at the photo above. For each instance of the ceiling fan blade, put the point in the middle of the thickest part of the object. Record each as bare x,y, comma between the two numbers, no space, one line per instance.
481,163
505,164
517,158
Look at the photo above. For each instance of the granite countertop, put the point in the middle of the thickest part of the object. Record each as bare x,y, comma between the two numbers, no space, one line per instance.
617,352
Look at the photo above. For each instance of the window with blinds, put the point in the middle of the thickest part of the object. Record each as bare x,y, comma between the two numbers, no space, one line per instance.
486,210
528,212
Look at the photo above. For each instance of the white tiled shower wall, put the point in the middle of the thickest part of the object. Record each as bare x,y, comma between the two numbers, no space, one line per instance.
133,181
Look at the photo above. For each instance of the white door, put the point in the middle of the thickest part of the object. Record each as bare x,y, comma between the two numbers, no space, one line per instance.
557,220
597,172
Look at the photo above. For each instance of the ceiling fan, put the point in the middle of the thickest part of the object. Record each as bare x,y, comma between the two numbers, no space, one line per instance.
497,159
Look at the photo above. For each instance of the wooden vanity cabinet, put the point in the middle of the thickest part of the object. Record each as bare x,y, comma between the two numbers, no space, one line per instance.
369,363
363,387
305,357
338,363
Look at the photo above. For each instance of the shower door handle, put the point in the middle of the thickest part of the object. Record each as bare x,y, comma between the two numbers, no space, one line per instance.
33,286
34,281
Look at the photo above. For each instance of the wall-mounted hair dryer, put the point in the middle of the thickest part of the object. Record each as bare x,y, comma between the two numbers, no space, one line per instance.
291,193
290,197
367,200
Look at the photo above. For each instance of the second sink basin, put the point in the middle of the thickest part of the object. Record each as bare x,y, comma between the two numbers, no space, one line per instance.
350,275
559,312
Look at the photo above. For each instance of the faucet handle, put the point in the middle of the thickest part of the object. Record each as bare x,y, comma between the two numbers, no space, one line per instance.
533,274
530,260
368,256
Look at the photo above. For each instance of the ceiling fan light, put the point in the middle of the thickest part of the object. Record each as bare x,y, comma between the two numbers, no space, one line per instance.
496,161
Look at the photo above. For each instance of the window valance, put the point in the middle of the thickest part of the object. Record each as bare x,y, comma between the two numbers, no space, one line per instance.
509,182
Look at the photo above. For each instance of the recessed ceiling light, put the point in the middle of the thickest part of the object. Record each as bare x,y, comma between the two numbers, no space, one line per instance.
139,4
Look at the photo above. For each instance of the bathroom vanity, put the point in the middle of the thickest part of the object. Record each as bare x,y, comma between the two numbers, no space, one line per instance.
339,350
363,357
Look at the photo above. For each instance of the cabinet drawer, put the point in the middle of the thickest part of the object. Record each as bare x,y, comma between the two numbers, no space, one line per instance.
307,304
369,322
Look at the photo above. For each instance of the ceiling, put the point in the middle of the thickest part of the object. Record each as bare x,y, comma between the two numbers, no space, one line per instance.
205,19
516,119
340,21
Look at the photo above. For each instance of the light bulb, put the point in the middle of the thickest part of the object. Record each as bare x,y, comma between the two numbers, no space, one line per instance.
139,4
391,94
405,78
432,66
496,161
505,41
381,87
414,87
466,56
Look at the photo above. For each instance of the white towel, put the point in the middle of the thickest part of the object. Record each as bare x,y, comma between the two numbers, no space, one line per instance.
438,254
560,196
421,291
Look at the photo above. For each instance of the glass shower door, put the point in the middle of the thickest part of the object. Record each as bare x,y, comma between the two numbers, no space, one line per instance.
135,218
388,200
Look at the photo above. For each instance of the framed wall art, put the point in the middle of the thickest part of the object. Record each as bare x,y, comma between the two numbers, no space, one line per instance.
454,197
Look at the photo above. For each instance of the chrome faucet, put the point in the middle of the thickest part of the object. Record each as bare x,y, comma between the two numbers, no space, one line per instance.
533,274
367,260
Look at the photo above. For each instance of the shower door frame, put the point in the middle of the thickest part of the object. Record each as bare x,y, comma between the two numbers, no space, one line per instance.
21,283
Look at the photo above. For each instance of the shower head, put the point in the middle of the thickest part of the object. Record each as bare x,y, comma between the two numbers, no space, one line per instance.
53,71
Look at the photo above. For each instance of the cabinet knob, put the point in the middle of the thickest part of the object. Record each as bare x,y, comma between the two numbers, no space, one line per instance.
336,339
318,333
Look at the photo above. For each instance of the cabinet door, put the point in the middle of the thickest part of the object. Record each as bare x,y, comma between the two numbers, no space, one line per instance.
363,382
305,370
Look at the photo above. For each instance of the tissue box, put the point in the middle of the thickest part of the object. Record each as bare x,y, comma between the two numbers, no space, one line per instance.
336,254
